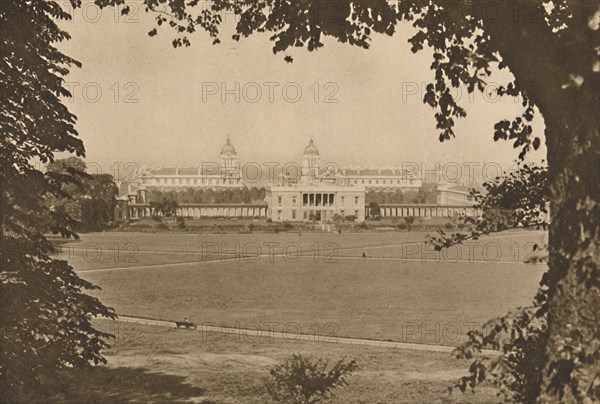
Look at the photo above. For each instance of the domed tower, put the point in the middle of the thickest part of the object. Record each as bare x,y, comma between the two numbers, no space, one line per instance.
310,161
228,157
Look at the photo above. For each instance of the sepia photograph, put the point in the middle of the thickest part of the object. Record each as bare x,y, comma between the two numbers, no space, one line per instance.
300,201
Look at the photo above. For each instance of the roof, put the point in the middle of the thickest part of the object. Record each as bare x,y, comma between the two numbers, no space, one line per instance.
228,148
188,171
311,149
163,171
208,169
454,188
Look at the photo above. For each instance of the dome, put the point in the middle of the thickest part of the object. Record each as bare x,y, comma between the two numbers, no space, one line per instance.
311,149
228,148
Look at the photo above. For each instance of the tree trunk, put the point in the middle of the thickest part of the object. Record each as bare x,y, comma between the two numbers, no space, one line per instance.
539,59
573,279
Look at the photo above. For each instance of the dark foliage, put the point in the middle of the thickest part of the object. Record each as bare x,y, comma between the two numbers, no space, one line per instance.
45,314
199,195
307,380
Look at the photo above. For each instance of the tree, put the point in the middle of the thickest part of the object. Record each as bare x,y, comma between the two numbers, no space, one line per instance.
45,313
72,172
89,199
374,210
165,207
98,202
515,199
550,47
306,380
420,197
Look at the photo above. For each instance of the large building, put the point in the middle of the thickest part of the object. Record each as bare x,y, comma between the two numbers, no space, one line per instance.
319,192
380,179
316,196
455,195
225,174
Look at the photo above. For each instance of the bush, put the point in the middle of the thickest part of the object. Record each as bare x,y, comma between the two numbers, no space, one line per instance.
287,225
363,225
409,221
269,220
304,380
449,226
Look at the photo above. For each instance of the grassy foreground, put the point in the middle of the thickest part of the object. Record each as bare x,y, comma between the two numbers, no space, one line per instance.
162,365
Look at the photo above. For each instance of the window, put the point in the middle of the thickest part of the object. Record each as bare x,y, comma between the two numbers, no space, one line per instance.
363,181
279,200
384,181
304,200
376,181
355,181
278,215
342,200
369,181
294,214
356,213
293,201
356,200
305,215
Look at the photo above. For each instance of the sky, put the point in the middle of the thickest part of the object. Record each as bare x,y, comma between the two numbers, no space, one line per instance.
139,100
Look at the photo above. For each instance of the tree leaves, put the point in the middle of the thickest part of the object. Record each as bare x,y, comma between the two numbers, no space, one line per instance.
42,300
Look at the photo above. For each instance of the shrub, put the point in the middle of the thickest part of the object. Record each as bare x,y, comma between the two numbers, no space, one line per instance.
449,226
307,380
409,221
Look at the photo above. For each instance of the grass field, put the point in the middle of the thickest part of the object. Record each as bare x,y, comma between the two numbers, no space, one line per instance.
163,365
398,292
316,283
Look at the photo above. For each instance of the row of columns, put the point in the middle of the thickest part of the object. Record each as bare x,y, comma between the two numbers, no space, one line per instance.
318,199
428,211
137,212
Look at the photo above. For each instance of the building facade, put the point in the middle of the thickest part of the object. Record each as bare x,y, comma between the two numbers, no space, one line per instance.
225,174
378,179
318,202
454,195
317,196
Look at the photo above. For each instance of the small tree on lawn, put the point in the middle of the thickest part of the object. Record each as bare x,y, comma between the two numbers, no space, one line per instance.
306,380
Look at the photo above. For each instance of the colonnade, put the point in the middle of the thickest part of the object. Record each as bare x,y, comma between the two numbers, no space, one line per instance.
424,211
318,199
137,211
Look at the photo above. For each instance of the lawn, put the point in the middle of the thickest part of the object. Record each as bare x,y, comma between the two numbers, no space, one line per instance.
159,365
399,291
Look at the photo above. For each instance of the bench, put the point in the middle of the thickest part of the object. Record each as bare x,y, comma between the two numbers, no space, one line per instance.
185,324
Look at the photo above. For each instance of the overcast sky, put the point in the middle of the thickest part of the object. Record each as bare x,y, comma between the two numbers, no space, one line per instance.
375,117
